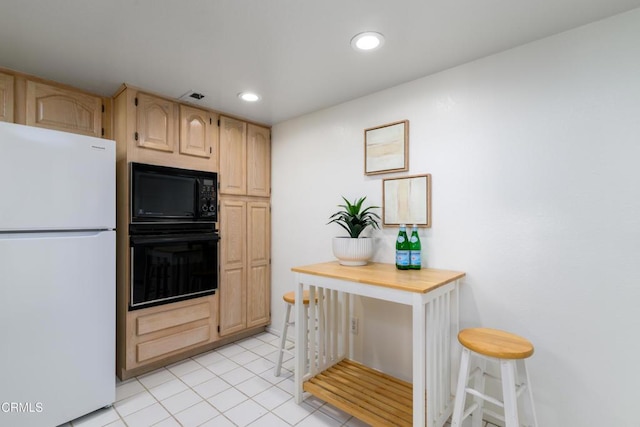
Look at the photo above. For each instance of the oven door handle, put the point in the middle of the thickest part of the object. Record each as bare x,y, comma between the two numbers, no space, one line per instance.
142,240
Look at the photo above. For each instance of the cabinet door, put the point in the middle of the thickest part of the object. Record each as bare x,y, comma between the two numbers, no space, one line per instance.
197,136
258,161
6,98
233,221
258,263
62,109
233,156
156,123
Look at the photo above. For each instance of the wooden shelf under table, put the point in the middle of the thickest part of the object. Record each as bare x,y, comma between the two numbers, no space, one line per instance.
367,394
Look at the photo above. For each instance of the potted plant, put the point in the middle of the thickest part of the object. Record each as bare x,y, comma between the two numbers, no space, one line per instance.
354,249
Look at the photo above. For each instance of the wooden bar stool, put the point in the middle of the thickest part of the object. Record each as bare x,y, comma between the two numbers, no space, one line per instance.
290,300
510,351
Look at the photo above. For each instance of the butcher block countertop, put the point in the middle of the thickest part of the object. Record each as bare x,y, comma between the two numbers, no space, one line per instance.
387,275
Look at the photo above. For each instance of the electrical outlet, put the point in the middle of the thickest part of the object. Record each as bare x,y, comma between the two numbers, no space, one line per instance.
354,325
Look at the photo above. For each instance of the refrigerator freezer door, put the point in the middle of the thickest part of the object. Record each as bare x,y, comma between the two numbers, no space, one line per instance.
57,326
52,180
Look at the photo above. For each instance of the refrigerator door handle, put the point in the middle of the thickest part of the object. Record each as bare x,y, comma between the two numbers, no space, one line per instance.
19,235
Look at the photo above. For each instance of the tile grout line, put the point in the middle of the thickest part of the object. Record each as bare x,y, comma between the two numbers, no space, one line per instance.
205,399
287,375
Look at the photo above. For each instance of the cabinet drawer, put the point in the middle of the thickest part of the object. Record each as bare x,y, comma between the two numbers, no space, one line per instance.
168,319
162,346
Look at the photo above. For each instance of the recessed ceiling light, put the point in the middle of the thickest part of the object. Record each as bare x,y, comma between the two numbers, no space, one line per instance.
249,96
367,41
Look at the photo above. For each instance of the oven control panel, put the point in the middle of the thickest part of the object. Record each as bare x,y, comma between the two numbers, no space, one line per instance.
207,199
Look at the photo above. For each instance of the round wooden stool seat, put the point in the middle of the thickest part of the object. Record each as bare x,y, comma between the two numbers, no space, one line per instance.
290,297
495,343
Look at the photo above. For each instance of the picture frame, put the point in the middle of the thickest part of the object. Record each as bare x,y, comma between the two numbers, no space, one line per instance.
386,148
407,200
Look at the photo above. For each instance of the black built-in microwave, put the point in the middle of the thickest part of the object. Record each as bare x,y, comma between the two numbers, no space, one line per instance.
167,194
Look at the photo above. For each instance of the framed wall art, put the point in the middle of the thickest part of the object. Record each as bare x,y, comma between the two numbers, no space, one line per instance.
407,200
386,148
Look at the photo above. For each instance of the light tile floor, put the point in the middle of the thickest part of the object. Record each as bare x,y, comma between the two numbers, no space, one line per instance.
230,386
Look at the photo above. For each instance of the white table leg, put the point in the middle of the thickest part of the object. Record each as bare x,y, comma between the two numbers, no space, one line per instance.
300,342
419,374
311,345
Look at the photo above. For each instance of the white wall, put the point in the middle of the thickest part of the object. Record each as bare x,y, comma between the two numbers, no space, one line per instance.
534,155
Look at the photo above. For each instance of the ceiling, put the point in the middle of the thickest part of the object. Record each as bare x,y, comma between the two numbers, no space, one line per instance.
295,53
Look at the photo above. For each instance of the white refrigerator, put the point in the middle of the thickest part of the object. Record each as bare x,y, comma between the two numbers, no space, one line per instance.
57,275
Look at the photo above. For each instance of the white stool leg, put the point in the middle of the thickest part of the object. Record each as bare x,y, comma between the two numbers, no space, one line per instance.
478,384
507,369
528,407
283,340
458,406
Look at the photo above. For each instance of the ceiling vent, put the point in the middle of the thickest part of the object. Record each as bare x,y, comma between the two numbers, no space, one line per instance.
191,96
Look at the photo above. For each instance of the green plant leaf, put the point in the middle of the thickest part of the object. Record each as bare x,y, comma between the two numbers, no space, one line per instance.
353,218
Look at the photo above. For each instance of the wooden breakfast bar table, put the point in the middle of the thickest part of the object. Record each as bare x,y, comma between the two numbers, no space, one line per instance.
322,366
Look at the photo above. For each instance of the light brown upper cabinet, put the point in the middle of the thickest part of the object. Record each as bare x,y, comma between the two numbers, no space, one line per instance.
62,109
198,132
258,161
160,131
245,158
156,119
6,98
233,156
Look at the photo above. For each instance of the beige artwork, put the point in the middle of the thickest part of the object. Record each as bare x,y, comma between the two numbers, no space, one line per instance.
385,148
406,201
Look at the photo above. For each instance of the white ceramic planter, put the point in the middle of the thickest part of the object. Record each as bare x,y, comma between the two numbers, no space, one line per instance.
351,251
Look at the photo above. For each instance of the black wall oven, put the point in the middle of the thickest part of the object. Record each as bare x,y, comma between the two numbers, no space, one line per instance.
172,234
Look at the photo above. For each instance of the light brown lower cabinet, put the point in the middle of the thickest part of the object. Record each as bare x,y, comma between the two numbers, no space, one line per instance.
245,264
158,333
258,263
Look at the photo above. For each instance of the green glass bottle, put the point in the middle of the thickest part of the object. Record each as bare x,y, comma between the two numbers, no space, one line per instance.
402,249
415,248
